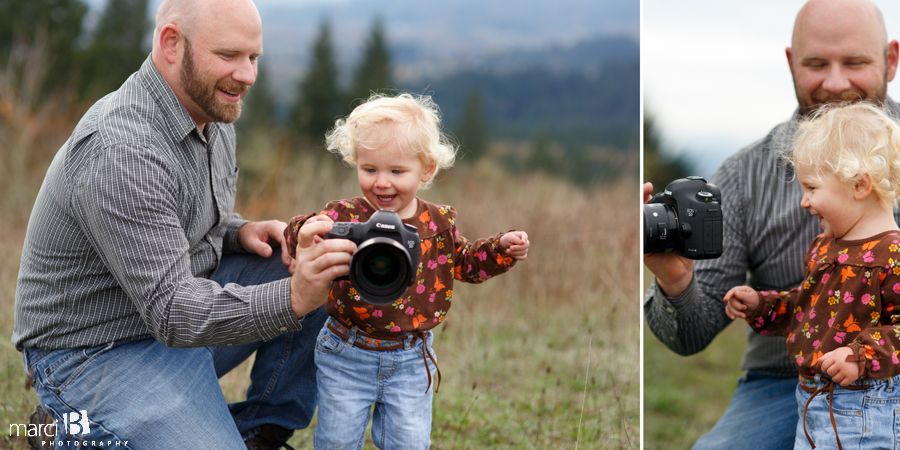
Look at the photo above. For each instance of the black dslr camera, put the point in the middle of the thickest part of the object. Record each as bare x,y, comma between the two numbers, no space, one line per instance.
686,219
386,258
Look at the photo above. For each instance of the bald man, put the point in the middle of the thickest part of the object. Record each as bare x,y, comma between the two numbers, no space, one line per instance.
839,52
139,286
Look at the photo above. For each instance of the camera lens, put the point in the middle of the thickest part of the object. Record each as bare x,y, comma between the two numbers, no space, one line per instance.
660,228
380,270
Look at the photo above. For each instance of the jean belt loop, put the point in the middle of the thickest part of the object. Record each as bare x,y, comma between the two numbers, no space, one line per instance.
890,384
351,335
817,379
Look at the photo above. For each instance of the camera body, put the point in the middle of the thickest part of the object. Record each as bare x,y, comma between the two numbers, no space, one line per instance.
386,259
686,219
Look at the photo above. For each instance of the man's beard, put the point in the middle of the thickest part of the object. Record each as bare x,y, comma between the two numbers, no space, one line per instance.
821,97
203,93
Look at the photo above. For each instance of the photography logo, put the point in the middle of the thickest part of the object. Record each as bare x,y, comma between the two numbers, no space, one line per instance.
76,425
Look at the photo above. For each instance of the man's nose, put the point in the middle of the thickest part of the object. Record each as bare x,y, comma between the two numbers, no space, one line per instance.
836,80
245,72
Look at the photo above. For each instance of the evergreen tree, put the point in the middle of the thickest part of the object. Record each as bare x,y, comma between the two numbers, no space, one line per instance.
117,49
660,168
259,104
472,129
319,100
41,32
542,158
374,71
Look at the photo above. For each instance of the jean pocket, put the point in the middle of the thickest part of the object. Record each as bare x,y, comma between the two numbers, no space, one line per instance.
60,373
329,343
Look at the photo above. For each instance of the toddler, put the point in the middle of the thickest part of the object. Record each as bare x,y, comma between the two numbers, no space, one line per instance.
841,322
369,354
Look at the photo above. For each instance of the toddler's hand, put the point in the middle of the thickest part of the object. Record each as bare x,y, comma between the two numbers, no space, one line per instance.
835,364
740,301
292,263
515,244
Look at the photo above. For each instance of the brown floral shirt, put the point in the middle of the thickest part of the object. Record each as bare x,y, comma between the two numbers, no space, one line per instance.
849,299
445,256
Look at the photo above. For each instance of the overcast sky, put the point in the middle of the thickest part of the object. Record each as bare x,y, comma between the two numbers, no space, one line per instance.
715,73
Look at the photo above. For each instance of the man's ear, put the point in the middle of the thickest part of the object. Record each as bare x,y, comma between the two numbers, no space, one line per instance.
787,52
170,38
893,56
863,187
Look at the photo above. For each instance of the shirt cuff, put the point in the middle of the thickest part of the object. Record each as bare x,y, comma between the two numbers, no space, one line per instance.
231,244
671,305
271,308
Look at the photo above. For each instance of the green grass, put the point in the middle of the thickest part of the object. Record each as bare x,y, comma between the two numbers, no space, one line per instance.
685,396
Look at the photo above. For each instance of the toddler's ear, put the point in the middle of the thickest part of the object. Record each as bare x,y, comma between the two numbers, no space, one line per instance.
863,187
430,169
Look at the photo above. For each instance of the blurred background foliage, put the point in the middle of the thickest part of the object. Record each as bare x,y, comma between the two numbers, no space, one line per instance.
545,133
566,118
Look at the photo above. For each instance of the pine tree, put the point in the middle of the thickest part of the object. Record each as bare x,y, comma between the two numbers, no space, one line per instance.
542,158
259,104
49,28
319,100
472,129
659,167
117,49
373,74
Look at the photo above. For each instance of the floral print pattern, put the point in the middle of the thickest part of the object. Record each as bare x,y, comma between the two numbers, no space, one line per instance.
858,283
445,256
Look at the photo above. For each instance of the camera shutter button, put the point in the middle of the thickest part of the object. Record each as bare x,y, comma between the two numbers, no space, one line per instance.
704,196
686,230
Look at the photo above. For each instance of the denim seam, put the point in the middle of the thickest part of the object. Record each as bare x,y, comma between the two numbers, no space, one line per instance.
270,387
81,368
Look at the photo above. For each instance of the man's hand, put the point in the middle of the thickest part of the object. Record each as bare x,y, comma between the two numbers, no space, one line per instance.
741,300
318,262
260,237
673,272
835,364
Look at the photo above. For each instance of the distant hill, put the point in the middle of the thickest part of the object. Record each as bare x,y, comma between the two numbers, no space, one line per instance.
585,94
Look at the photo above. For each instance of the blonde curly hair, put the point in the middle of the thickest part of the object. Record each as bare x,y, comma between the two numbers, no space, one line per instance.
411,121
849,142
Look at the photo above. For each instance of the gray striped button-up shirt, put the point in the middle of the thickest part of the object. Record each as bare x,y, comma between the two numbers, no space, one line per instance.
766,234
129,227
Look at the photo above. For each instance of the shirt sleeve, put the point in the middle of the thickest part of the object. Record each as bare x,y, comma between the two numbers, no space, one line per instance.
127,202
481,260
772,316
688,322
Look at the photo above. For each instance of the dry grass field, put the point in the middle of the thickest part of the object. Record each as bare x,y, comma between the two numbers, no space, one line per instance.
546,356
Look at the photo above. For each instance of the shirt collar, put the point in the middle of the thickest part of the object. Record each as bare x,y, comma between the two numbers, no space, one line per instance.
174,113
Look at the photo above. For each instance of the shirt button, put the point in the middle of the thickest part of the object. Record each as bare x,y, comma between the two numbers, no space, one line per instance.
283,329
670,309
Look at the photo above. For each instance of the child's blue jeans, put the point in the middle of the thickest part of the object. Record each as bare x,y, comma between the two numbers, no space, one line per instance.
865,419
352,379
156,397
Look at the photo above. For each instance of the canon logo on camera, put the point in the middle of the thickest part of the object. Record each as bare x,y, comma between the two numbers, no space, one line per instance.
384,225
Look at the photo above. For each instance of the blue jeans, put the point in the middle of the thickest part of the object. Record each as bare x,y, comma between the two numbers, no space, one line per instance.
762,415
351,379
155,397
865,419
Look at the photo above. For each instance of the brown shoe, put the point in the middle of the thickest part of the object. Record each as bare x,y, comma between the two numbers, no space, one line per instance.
40,420
270,437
